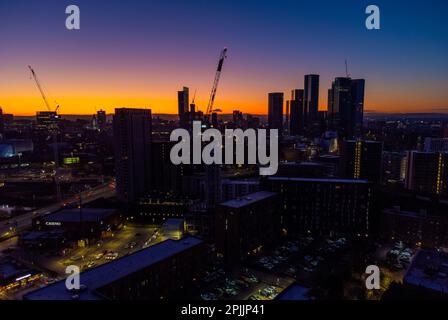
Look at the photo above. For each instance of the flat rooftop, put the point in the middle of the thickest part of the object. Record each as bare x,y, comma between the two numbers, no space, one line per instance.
74,215
294,292
429,270
248,199
110,272
354,181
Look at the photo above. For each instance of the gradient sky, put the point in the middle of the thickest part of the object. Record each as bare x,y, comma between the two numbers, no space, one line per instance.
139,53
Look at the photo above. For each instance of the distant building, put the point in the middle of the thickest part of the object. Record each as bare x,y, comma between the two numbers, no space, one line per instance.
346,107
297,114
246,225
47,120
427,172
436,145
324,206
311,98
164,270
362,159
275,111
101,119
183,103
2,124
237,119
132,139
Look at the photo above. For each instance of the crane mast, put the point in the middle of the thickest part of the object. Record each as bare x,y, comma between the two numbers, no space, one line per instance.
216,81
54,133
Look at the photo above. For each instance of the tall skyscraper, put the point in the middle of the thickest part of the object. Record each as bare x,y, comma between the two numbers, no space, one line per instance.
297,120
132,138
183,103
311,98
346,106
275,111
362,159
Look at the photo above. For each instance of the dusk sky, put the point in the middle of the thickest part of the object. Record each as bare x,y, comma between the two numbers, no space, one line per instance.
140,53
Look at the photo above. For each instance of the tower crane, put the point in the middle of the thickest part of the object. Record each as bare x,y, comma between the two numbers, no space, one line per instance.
54,132
39,86
215,83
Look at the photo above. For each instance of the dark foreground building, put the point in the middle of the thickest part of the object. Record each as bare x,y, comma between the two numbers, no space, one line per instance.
324,206
246,225
165,270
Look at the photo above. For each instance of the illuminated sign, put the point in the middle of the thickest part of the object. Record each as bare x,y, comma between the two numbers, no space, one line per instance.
52,223
71,160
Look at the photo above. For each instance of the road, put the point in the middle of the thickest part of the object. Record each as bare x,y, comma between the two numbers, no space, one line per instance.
15,225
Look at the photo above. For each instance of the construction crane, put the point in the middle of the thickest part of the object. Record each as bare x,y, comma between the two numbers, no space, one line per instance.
215,83
54,133
39,86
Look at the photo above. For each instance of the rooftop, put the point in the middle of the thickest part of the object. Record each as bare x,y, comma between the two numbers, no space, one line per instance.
110,272
70,215
356,181
294,292
248,199
429,270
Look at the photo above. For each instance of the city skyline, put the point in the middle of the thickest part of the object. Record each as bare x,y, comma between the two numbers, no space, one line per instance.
135,56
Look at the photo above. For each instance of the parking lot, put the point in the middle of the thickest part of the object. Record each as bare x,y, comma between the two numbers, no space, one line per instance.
242,285
122,242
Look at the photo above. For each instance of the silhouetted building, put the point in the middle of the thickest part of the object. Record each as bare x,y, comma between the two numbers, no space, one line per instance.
183,103
101,119
246,225
426,172
2,124
132,139
362,159
46,120
311,98
275,111
237,119
324,206
297,115
346,106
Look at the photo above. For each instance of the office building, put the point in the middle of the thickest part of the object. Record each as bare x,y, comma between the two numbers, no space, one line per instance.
246,225
346,107
132,142
361,159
